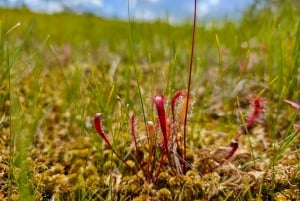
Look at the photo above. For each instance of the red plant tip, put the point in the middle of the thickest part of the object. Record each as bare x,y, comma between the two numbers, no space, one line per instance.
293,104
255,114
234,146
160,108
98,127
159,100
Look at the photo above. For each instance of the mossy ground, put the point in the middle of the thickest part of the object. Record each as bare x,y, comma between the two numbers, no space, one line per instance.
57,71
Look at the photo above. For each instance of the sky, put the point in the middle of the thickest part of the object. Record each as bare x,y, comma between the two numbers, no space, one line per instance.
173,10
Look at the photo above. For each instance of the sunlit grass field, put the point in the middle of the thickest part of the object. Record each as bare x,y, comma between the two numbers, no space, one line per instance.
57,71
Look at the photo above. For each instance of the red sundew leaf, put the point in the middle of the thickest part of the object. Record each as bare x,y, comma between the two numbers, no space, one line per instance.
132,126
292,104
254,115
161,113
296,127
133,132
177,95
97,123
98,127
169,127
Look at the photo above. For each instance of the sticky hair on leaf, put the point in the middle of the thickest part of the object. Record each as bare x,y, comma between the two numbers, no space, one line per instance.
175,99
133,127
255,115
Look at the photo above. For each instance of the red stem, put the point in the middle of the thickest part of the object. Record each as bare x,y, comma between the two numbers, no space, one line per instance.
234,146
137,150
189,84
160,165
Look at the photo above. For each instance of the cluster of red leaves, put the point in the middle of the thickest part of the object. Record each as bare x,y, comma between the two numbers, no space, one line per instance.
169,151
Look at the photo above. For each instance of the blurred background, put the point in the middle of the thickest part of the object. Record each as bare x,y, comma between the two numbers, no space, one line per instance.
147,10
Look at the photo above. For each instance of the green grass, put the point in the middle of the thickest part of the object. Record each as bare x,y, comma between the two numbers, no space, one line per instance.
57,71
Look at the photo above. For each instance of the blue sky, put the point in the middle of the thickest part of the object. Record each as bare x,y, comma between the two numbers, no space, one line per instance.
176,10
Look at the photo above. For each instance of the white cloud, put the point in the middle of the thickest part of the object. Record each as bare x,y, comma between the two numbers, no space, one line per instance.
214,2
152,1
97,3
202,8
205,7
145,15
49,6
142,9
55,7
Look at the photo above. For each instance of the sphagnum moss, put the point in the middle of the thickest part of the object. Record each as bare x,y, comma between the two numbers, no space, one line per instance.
164,194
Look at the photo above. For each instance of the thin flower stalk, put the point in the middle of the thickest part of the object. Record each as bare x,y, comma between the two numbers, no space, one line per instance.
189,84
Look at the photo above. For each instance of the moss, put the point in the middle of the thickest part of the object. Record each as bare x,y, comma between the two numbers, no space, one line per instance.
131,164
108,166
163,179
142,198
287,194
164,194
15,197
